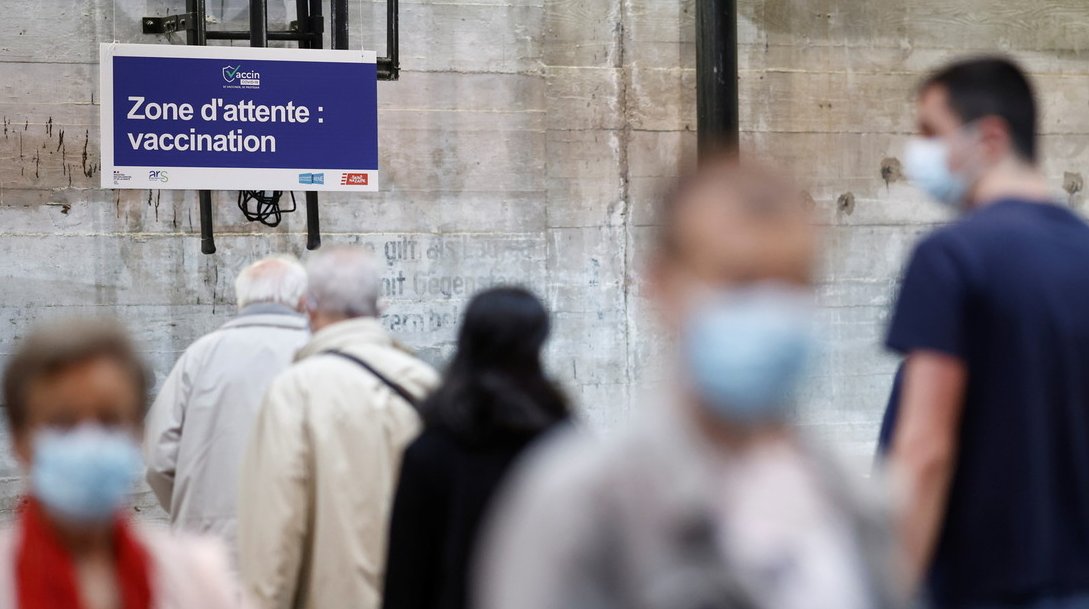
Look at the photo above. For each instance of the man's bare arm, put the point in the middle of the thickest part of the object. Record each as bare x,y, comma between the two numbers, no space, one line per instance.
924,450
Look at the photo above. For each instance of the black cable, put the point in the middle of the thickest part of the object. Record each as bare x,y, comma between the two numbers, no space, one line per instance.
266,209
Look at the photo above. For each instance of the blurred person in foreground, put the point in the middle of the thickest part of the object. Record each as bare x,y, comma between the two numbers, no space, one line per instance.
199,425
319,474
991,441
494,401
75,394
714,501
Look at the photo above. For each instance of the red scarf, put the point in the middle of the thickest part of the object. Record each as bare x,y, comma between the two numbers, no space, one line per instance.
46,577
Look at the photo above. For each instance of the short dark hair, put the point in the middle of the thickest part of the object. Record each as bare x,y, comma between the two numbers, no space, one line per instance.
57,346
991,86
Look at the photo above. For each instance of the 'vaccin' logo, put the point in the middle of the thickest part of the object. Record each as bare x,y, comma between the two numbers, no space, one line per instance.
236,75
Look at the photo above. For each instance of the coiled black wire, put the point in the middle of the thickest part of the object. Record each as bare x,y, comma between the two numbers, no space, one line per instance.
266,206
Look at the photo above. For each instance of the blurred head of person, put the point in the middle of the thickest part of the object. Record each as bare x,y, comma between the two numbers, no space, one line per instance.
495,387
343,283
75,394
732,274
976,134
276,280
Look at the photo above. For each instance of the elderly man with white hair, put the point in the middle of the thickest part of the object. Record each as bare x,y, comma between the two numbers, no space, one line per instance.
198,427
322,464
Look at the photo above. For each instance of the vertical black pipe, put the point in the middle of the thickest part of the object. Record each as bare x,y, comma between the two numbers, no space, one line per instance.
393,44
339,18
258,23
317,25
313,221
302,17
197,34
313,224
716,76
207,236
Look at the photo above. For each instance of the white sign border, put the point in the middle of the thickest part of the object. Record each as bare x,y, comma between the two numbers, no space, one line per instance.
108,50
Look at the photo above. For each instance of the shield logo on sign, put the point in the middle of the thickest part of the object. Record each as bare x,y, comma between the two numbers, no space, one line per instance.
229,72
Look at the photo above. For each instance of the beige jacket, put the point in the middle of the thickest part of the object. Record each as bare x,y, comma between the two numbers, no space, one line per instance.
186,571
318,477
199,426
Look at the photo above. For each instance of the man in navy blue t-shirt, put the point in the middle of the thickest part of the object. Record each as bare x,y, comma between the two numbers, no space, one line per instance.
992,435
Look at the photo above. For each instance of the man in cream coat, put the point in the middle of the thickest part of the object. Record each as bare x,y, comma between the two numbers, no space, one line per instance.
323,460
197,430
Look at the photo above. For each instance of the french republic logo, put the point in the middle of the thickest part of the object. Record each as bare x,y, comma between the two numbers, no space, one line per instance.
353,179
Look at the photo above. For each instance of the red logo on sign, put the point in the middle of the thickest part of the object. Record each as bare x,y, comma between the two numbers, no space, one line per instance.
353,179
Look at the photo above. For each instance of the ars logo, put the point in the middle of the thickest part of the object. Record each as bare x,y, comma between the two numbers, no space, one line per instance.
157,175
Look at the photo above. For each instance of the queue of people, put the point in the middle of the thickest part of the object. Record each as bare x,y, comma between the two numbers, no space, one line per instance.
307,460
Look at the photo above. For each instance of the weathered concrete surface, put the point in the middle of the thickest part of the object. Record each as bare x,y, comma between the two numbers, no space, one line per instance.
827,90
527,141
504,155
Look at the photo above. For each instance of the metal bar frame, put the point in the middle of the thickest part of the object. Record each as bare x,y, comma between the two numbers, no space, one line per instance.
278,35
716,77
310,35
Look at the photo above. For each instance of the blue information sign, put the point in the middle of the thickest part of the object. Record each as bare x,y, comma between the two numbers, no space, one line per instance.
238,118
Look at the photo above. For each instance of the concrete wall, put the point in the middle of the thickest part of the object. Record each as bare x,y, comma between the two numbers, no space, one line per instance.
827,90
527,140
512,150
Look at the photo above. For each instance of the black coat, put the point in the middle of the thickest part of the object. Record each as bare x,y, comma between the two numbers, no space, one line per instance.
443,494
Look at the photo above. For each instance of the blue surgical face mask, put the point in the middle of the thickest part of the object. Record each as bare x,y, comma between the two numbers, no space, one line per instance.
926,164
747,352
84,475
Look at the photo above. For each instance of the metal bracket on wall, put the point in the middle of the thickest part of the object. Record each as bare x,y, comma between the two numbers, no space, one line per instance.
309,31
168,24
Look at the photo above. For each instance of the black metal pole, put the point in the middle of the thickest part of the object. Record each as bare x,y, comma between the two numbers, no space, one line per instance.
313,222
338,15
393,43
272,35
197,35
258,23
716,76
317,25
302,17
207,236
313,26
